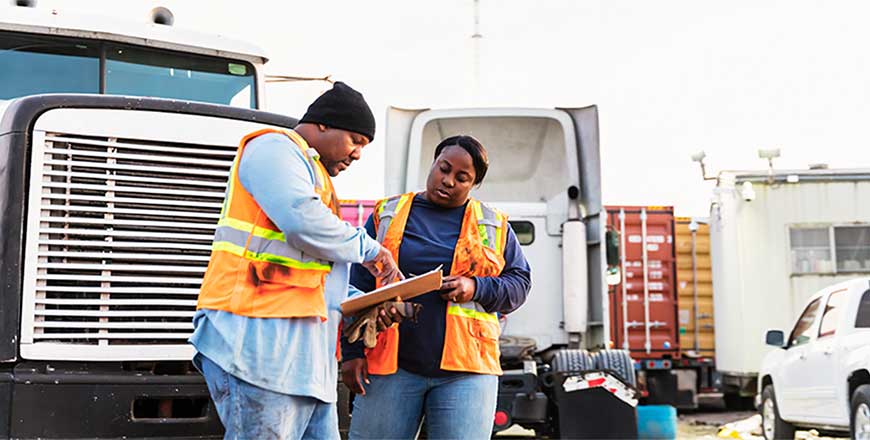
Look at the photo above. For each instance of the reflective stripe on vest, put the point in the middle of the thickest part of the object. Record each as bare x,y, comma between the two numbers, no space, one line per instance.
255,243
489,223
471,310
386,212
253,270
471,333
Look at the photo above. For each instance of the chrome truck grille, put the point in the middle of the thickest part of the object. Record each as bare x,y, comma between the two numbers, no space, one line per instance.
123,231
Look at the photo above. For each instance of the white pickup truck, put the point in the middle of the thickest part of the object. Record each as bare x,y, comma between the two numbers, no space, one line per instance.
818,378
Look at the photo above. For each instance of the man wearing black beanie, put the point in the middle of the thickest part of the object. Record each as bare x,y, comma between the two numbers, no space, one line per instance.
266,326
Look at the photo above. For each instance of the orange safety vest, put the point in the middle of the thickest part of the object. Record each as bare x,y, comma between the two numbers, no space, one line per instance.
253,270
471,334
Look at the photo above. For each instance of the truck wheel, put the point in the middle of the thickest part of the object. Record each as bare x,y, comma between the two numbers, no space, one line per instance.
572,360
619,362
773,427
859,421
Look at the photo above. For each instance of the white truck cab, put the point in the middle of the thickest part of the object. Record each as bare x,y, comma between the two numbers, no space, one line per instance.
116,140
819,375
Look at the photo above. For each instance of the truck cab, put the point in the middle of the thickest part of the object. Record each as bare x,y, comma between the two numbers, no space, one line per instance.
116,140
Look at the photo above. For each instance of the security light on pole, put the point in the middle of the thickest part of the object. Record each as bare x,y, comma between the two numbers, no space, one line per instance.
699,157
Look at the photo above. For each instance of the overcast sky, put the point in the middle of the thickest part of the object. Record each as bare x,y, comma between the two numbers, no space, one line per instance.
670,78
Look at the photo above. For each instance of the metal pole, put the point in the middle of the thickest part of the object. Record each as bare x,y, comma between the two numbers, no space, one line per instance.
625,344
475,46
693,226
646,324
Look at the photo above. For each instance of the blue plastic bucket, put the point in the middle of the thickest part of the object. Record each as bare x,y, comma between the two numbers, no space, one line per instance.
656,422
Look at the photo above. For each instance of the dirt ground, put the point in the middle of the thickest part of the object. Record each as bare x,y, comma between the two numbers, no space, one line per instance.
707,421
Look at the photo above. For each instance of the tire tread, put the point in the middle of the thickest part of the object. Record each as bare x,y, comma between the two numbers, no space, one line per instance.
619,362
572,360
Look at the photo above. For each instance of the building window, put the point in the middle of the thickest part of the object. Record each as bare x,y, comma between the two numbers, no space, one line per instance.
811,250
852,248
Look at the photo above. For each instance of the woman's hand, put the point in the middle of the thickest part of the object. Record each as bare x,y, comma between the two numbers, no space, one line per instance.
353,373
458,289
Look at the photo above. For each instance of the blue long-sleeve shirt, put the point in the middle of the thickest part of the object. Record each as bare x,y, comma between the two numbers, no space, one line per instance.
430,239
291,356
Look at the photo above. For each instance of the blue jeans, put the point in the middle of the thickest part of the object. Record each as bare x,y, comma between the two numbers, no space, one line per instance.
250,412
457,407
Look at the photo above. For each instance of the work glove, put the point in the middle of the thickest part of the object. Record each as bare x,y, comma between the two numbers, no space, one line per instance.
374,319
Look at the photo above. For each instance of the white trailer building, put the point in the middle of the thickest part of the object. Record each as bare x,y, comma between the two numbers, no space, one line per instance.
778,237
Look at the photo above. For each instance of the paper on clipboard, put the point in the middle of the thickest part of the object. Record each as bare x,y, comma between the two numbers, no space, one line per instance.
405,289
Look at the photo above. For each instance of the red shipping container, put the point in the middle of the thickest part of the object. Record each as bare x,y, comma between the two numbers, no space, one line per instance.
646,322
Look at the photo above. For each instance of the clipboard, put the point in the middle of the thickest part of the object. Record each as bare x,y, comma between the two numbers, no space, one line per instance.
405,289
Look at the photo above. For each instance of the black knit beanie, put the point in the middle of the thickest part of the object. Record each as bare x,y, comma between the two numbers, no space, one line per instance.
342,107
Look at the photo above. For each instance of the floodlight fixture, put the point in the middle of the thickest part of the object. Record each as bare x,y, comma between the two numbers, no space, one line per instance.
699,157
769,154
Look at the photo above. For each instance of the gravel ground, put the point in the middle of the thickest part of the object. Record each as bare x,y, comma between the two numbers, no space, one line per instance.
706,422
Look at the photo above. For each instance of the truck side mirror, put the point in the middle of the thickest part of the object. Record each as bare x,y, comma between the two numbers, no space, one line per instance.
611,241
775,338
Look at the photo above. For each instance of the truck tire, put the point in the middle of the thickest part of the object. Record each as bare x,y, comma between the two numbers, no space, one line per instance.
859,416
772,425
619,362
572,360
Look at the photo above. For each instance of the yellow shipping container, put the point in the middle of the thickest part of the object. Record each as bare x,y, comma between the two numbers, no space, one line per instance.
686,288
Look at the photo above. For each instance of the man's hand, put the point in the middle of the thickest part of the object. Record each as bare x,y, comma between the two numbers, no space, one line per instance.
384,268
458,289
353,373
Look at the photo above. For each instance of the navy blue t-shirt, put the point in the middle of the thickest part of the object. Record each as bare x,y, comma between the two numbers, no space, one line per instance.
430,239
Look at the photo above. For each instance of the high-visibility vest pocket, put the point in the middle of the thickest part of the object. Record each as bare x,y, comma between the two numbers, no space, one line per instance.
484,330
494,269
383,358
269,277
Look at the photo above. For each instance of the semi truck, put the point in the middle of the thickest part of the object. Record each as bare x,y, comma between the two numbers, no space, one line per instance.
118,138
107,214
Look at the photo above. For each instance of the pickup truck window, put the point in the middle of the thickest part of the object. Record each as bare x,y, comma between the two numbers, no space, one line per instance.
862,320
801,333
831,315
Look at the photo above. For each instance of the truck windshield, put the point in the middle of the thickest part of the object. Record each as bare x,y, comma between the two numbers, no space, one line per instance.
34,64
